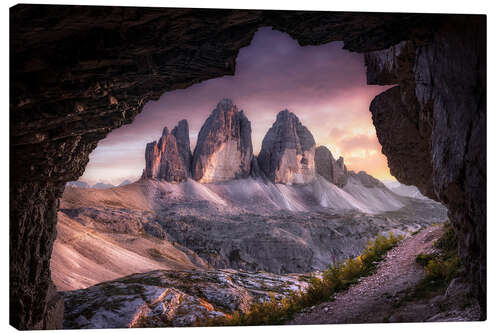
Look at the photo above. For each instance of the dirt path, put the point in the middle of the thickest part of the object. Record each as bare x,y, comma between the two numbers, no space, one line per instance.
370,300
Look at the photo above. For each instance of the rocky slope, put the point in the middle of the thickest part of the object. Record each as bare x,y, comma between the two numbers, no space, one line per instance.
224,147
168,298
108,244
366,180
169,158
287,153
184,298
245,224
408,191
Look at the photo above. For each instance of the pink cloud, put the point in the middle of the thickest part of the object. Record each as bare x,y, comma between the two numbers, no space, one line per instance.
360,141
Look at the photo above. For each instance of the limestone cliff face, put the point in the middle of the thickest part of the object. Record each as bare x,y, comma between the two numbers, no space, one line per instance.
326,166
224,147
181,133
168,159
287,153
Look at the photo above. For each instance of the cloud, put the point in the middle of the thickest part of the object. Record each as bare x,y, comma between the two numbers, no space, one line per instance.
359,142
374,164
337,134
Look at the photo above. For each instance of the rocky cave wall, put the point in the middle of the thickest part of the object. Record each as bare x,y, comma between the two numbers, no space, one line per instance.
79,72
432,127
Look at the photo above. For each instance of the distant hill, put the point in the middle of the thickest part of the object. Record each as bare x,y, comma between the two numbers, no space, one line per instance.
102,186
98,186
78,184
408,191
125,182
391,183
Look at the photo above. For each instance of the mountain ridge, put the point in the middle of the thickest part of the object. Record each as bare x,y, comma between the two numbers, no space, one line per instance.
223,152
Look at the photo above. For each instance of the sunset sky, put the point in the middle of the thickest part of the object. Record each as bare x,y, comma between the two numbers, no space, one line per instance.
324,86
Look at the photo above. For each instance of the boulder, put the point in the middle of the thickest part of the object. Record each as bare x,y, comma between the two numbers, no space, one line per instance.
287,154
224,147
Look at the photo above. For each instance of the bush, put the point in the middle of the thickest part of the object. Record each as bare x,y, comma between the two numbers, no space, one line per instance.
424,258
444,270
441,267
448,241
334,279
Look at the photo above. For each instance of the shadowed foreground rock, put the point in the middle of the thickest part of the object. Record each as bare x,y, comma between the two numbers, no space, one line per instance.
172,298
78,72
432,127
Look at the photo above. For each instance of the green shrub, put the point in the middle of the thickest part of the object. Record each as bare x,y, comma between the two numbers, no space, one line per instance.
334,279
440,268
447,243
444,270
424,258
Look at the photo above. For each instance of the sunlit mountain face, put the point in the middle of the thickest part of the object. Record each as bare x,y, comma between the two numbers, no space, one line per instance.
325,86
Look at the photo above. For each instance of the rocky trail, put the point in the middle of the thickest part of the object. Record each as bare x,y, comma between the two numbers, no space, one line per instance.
375,297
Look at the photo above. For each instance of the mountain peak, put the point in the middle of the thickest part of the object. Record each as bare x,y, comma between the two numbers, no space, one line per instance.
327,167
225,104
169,159
284,114
181,133
287,154
224,147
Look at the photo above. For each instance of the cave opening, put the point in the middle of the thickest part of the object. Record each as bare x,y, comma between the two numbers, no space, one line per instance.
48,139
206,213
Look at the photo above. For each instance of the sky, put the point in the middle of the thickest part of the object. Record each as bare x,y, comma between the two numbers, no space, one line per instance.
324,86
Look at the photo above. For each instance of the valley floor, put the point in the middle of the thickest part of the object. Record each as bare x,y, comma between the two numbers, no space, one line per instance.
378,298
243,224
